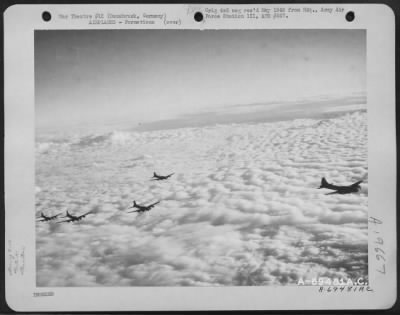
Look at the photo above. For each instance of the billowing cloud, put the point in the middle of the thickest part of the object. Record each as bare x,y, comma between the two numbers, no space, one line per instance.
241,209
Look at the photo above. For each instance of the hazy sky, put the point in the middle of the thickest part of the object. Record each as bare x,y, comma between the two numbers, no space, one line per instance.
106,76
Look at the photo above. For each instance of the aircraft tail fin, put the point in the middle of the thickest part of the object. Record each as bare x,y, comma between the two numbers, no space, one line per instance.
324,183
134,203
154,174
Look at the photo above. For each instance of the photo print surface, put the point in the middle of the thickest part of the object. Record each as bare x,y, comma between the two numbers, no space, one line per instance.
200,158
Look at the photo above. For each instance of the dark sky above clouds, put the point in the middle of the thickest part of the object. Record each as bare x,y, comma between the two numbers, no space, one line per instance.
96,77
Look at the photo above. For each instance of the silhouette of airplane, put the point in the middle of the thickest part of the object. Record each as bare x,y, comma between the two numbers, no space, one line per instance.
46,218
353,188
160,177
73,218
142,208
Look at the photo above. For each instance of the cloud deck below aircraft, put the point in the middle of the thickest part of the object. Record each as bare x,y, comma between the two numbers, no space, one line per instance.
242,208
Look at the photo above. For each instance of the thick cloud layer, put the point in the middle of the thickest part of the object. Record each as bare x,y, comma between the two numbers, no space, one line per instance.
241,209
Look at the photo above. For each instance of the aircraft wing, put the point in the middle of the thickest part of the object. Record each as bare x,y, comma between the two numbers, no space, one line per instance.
357,183
332,193
84,215
152,205
134,211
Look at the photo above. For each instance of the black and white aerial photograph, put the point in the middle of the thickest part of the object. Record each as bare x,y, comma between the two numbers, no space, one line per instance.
200,158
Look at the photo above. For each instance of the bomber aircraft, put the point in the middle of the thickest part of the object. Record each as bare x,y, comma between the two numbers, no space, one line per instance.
353,188
73,218
142,208
160,177
45,218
